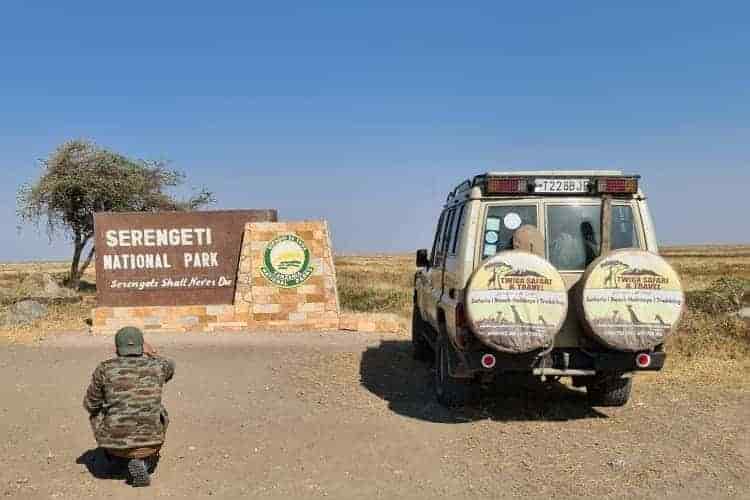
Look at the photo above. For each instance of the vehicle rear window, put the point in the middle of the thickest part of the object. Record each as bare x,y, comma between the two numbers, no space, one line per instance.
501,223
574,234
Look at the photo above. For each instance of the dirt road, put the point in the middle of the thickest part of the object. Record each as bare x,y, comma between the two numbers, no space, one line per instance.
351,416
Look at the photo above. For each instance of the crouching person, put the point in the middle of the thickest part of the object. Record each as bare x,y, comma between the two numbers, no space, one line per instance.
124,402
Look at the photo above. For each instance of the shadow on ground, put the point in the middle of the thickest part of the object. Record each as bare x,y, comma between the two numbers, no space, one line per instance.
389,372
100,466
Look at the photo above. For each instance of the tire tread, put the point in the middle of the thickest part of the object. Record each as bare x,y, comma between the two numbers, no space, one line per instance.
610,391
452,392
421,348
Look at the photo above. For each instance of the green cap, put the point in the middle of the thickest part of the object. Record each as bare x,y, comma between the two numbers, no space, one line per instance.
129,342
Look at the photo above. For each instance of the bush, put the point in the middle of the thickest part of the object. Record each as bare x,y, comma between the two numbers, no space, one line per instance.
361,299
722,296
702,334
710,325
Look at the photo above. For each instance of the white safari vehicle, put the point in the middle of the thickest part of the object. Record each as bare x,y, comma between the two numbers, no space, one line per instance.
555,274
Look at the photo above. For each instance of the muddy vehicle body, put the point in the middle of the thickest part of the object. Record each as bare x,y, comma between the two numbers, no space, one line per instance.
548,273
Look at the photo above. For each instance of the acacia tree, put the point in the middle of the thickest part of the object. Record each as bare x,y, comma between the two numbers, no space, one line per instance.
80,178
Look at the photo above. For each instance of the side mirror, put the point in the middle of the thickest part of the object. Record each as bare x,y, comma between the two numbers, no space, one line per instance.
422,259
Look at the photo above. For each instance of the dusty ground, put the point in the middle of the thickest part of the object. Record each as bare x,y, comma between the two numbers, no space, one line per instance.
351,416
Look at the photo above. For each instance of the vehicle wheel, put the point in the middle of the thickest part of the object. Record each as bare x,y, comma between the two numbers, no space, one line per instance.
452,392
422,351
608,391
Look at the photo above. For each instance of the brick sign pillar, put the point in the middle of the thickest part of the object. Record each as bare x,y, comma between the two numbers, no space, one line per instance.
286,278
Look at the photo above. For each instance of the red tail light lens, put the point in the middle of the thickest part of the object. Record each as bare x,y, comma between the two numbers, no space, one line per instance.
618,185
507,185
488,361
643,360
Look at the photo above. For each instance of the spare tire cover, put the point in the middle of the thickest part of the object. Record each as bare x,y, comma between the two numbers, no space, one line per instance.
631,299
516,302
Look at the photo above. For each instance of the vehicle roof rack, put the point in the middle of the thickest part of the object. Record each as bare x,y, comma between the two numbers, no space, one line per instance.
598,177
553,173
464,186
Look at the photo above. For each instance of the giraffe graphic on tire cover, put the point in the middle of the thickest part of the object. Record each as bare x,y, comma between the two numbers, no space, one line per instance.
632,299
517,301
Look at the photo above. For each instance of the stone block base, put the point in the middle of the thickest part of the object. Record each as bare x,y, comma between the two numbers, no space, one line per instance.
167,319
182,319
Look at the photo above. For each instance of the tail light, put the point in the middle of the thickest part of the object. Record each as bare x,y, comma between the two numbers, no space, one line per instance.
643,360
507,185
617,185
488,361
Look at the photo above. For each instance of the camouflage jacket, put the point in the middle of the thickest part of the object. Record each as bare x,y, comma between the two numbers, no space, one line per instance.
124,401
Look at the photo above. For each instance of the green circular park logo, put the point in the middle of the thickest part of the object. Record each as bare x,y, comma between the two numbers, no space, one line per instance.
286,261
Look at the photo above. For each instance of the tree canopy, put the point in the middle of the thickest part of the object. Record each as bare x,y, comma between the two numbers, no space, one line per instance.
80,178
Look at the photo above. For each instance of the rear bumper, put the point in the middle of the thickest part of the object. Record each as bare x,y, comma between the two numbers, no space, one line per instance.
561,362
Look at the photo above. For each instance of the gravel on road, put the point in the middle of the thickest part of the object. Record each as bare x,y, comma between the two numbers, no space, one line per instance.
350,415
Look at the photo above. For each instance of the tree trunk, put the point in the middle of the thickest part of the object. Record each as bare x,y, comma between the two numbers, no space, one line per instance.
74,279
88,260
76,270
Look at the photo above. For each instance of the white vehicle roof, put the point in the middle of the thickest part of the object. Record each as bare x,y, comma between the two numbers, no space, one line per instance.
554,173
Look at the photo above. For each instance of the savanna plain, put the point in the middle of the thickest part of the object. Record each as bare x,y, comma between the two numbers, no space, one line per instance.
351,415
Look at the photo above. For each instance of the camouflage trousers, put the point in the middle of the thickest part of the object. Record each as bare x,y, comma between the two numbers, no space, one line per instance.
96,421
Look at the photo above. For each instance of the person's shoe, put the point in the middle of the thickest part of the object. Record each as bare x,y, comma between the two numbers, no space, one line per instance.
139,476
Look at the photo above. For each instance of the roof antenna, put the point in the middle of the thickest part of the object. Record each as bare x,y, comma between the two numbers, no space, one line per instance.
606,224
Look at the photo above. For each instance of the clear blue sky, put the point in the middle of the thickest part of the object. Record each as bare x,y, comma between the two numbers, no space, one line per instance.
367,115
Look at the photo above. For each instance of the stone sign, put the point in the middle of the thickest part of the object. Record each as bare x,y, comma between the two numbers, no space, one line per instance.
287,279
170,258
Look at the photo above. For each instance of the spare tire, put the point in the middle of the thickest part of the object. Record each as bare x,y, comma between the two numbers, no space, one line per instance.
516,302
630,300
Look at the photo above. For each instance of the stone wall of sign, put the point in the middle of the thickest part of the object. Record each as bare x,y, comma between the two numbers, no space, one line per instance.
286,278
168,319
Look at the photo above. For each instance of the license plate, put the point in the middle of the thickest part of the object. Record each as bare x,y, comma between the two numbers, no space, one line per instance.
561,186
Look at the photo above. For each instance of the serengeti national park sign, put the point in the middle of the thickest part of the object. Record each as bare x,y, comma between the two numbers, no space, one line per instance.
170,258
218,271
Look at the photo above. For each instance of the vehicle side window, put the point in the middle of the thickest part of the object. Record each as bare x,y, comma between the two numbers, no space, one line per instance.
501,223
446,234
624,234
438,238
456,229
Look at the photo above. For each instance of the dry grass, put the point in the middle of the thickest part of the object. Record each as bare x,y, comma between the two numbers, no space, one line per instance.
714,278
710,345
723,251
377,284
384,284
61,317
